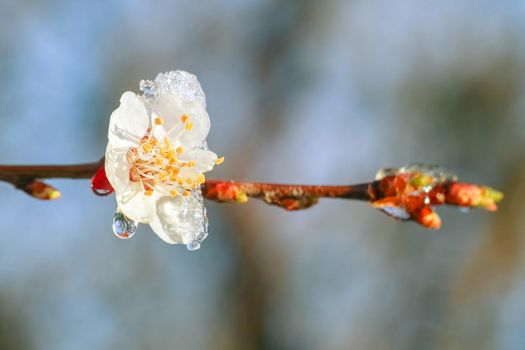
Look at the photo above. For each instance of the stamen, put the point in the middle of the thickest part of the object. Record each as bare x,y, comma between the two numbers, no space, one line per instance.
201,179
219,160
154,164
126,134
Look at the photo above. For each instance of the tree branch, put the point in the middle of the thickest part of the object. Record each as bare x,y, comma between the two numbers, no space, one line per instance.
403,195
288,196
21,175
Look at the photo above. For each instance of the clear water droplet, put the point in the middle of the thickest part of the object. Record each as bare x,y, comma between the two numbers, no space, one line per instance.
465,210
123,227
384,172
193,245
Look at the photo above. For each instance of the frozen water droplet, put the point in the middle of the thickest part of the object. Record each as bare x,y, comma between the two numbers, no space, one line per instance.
193,245
182,84
465,210
147,87
203,146
427,189
396,212
382,173
123,227
438,172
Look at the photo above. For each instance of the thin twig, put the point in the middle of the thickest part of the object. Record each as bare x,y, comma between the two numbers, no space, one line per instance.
290,197
21,175
404,195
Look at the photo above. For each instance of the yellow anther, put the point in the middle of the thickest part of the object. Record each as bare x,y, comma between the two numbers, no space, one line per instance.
180,150
219,160
159,121
201,179
189,126
189,180
184,118
174,193
148,193
191,163
180,182
186,193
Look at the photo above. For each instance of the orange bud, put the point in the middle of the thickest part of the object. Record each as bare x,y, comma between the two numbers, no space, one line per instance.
428,218
41,190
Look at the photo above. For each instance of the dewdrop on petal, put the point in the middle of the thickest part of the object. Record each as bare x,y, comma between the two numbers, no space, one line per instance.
123,227
157,156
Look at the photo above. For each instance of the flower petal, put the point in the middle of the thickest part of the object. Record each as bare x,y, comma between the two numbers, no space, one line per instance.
130,197
136,206
171,108
129,122
179,219
204,159
117,167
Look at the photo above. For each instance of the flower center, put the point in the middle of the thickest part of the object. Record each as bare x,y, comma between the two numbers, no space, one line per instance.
156,164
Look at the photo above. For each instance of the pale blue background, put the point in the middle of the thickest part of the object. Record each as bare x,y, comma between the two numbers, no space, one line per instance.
298,91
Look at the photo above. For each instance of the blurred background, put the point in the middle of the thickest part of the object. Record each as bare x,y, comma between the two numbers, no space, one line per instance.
299,91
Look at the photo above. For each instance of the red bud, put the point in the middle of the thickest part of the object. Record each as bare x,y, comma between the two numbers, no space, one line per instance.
100,183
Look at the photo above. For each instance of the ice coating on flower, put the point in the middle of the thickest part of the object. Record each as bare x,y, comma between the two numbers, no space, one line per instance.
157,156
178,83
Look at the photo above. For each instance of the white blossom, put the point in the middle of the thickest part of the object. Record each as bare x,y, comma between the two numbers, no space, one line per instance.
157,155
